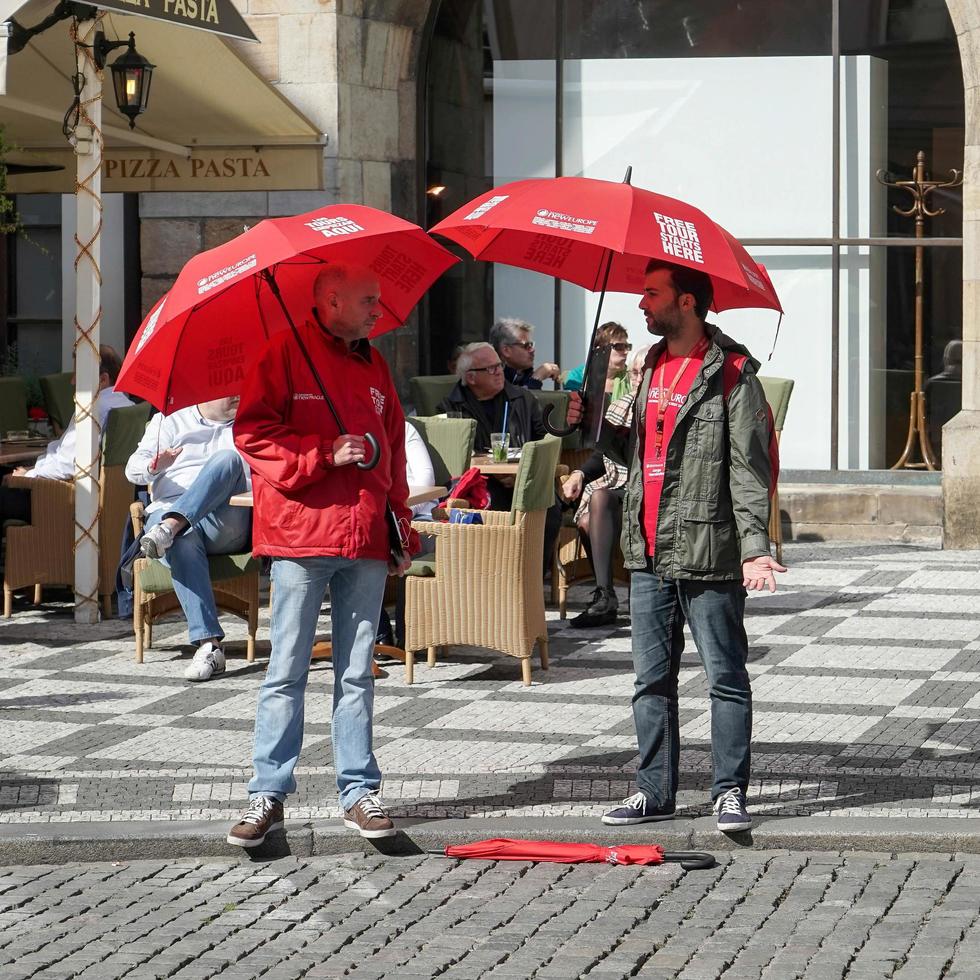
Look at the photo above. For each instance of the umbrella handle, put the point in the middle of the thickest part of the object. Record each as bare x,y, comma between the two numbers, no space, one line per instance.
369,464
553,429
691,860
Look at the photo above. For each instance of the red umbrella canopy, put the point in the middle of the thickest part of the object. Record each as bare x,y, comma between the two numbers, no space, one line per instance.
556,852
567,227
199,340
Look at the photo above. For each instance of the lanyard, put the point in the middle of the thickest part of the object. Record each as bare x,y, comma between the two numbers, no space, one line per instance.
663,397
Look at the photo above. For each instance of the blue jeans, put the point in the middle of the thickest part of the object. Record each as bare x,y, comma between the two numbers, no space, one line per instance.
298,588
715,612
215,528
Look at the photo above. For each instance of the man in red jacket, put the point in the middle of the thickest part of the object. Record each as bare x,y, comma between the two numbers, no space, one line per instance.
322,521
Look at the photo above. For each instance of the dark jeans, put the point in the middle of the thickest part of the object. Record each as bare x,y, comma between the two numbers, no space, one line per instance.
715,612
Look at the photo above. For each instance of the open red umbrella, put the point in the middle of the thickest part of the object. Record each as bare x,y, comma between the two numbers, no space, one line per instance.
198,341
600,235
557,852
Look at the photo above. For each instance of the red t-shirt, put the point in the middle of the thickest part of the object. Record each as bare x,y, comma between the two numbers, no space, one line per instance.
653,465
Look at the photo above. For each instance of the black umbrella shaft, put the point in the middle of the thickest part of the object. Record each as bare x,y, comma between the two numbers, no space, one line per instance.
274,286
602,295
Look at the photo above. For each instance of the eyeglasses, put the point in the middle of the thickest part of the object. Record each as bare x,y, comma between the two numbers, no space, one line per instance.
526,344
621,347
491,369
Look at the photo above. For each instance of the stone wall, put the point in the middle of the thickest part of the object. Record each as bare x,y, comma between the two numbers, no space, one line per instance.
350,66
961,436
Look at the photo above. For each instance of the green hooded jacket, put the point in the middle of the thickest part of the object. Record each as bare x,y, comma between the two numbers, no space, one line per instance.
714,507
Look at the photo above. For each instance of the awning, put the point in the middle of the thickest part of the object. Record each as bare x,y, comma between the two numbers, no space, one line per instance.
212,123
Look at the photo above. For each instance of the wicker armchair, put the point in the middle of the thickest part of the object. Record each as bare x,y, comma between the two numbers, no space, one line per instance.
487,589
234,582
42,552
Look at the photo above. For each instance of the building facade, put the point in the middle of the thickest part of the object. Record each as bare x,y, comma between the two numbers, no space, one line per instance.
773,117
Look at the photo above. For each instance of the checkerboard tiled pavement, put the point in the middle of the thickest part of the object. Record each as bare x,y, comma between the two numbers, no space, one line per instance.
866,675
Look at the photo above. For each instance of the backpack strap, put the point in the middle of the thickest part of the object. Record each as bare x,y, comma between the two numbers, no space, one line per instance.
731,372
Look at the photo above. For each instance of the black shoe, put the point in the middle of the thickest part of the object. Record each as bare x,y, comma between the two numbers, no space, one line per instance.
638,809
601,611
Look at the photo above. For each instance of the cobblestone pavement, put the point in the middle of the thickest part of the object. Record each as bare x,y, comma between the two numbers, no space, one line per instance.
865,672
764,914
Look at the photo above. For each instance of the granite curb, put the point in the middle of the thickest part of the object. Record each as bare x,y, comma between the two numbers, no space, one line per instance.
127,841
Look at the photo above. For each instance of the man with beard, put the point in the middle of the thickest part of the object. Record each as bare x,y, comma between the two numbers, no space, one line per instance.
701,460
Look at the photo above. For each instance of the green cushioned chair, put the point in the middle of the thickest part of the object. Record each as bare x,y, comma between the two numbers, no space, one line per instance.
449,442
234,582
428,390
13,405
778,391
487,589
559,399
59,399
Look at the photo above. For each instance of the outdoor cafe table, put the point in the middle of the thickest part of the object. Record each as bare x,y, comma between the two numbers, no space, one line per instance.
323,651
20,451
488,467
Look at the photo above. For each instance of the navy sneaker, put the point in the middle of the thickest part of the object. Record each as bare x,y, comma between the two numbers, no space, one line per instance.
731,812
638,809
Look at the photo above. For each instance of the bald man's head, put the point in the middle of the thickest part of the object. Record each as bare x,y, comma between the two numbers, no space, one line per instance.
348,299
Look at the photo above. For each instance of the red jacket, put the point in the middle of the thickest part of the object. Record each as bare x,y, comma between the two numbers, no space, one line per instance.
304,505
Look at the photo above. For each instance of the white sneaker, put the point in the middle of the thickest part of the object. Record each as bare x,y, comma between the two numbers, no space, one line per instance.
208,661
156,541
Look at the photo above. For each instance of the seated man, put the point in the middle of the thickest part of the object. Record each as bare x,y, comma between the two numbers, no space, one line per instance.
511,339
190,463
481,394
58,461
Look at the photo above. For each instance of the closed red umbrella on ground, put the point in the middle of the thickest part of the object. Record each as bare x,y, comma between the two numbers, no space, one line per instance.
199,339
557,852
572,228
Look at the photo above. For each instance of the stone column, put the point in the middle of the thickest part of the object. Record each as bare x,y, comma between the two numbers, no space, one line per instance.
378,47
961,435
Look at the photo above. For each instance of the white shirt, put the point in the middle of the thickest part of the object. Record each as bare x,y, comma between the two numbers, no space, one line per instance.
418,468
58,461
198,438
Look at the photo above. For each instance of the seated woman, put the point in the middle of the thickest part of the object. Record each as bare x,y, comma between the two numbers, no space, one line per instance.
617,380
598,486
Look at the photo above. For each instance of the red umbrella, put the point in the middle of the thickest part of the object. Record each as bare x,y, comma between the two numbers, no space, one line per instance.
556,852
600,235
198,341
583,230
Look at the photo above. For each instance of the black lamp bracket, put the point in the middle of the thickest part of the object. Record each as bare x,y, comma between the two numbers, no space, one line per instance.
66,10
101,47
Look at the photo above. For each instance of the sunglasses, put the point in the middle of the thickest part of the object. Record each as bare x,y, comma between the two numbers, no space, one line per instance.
620,347
526,344
492,369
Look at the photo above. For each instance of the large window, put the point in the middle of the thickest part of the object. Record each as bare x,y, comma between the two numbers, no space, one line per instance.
32,334
772,117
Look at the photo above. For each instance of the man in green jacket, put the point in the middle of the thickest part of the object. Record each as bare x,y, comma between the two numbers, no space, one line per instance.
701,462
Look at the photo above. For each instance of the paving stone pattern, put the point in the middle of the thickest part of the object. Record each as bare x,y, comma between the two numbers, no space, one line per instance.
865,670
773,915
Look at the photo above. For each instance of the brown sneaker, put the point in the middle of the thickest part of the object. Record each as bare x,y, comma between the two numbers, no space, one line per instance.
369,817
263,815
